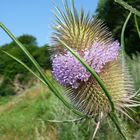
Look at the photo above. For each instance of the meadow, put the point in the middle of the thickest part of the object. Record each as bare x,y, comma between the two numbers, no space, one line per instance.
27,116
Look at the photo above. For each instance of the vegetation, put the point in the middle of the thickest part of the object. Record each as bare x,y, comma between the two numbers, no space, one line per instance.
27,116
13,76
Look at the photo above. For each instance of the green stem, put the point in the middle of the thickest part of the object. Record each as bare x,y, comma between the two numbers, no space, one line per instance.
114,118
137,26
122,37
42,75
128,7
66,121
91,71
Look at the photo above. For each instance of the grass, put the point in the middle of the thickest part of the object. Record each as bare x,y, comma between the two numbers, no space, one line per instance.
4,100
25,117
13,121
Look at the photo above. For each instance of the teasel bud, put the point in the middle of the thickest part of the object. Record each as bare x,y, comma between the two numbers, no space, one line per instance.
91,40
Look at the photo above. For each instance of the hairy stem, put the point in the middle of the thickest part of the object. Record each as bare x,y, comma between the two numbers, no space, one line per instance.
137,26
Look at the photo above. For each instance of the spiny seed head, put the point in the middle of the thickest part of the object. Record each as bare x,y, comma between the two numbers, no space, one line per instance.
90,39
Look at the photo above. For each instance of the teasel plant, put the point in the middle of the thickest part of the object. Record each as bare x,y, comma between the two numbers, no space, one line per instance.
90,65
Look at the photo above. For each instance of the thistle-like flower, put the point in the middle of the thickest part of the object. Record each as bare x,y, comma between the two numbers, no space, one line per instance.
91,40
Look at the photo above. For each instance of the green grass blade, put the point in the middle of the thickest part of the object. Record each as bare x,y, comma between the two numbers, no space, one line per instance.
137,26
91,71
128,7
43,76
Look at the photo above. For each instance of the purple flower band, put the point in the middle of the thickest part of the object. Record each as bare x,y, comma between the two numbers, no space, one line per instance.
68,71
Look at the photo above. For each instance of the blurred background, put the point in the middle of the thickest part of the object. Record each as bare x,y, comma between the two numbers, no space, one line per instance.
25,104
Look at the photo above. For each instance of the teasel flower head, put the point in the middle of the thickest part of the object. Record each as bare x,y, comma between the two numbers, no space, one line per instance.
91,40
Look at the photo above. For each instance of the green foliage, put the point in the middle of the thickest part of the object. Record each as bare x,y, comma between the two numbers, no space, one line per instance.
26,117
26,40
6,88
42,56
9,68
114,16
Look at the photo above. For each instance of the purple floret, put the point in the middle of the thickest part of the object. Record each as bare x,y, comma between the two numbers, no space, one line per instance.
100,54
68,71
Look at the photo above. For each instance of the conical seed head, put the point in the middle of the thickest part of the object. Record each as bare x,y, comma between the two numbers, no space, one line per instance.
90,39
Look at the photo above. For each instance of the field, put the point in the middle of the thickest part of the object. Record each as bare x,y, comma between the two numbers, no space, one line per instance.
27,117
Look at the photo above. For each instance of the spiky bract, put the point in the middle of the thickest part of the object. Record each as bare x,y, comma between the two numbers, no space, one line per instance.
90,38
